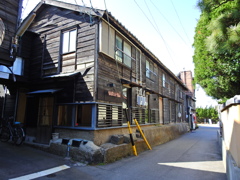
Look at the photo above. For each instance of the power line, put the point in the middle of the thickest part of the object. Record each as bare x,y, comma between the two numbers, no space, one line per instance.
168,22
152,16
166,45
25,7
180,21
83,3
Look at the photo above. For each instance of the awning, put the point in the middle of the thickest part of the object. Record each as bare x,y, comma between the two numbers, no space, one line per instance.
83,72
62,75
130,83
51,91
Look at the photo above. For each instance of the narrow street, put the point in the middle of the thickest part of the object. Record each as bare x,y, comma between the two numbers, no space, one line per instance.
193,156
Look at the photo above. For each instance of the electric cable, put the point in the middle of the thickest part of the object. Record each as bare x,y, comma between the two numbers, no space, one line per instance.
165,43
168,22
25,7
180,22
151,16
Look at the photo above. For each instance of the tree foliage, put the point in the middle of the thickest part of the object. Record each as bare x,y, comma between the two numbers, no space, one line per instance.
217,51
207,113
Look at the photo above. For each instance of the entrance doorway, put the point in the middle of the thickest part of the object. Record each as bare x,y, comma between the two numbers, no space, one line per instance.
160,110
45,116
127,102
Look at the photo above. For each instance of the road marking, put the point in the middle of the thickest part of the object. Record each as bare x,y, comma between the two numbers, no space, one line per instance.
212,166
42,173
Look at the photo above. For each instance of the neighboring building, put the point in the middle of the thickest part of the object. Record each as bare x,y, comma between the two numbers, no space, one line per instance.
9,20
10,12
82,68
190,103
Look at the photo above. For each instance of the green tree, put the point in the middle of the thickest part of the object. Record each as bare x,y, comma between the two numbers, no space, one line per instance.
217,52
207,113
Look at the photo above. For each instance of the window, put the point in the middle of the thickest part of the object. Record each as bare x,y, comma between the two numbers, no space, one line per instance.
84,115
127,54
69,41
180,94
17,67
122,47
109,115
163,80
149,70
119,46
64,115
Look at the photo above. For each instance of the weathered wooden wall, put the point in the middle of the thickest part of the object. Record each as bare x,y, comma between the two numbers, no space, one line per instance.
110,72
46,58
9,10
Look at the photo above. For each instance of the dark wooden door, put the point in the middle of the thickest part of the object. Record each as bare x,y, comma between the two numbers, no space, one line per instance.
45,115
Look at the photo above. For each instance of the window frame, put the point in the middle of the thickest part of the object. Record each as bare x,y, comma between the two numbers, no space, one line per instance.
68,31
163,80
118,53
150,70
121,54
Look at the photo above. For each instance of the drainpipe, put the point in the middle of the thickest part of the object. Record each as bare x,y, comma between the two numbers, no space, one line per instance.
16,106
4,101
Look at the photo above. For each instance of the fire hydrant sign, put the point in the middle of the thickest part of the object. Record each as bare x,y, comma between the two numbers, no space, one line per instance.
2,31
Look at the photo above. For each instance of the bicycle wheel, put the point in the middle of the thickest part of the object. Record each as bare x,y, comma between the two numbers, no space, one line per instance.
5,134
19,136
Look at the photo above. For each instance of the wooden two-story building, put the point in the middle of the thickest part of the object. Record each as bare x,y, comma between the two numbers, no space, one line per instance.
10,13
82,68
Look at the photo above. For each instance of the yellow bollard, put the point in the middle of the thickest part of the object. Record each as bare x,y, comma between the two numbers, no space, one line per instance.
139,128
131,138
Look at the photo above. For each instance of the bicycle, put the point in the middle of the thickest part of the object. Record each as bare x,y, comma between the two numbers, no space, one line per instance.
12,130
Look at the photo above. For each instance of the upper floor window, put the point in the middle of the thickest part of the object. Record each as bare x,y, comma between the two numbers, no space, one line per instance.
123,51
119,46
17,67
127,54
150,70
180,94
163,80
147,69
69,41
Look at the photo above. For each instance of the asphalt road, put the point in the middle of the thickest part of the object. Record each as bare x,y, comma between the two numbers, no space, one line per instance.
193,156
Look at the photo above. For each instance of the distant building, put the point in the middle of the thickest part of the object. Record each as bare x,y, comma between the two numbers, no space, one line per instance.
190,101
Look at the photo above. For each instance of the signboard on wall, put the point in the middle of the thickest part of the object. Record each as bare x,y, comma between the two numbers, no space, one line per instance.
2,31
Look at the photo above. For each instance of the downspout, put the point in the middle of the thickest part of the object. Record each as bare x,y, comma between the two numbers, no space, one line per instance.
4,101
16,105
97,32
94,108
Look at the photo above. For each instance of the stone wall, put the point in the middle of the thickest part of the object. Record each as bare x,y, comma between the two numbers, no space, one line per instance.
109,151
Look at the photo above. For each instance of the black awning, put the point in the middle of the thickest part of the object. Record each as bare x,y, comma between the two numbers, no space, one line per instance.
130,83
62,75
51,91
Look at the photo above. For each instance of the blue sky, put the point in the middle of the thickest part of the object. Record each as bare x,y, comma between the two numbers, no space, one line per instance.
165,27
